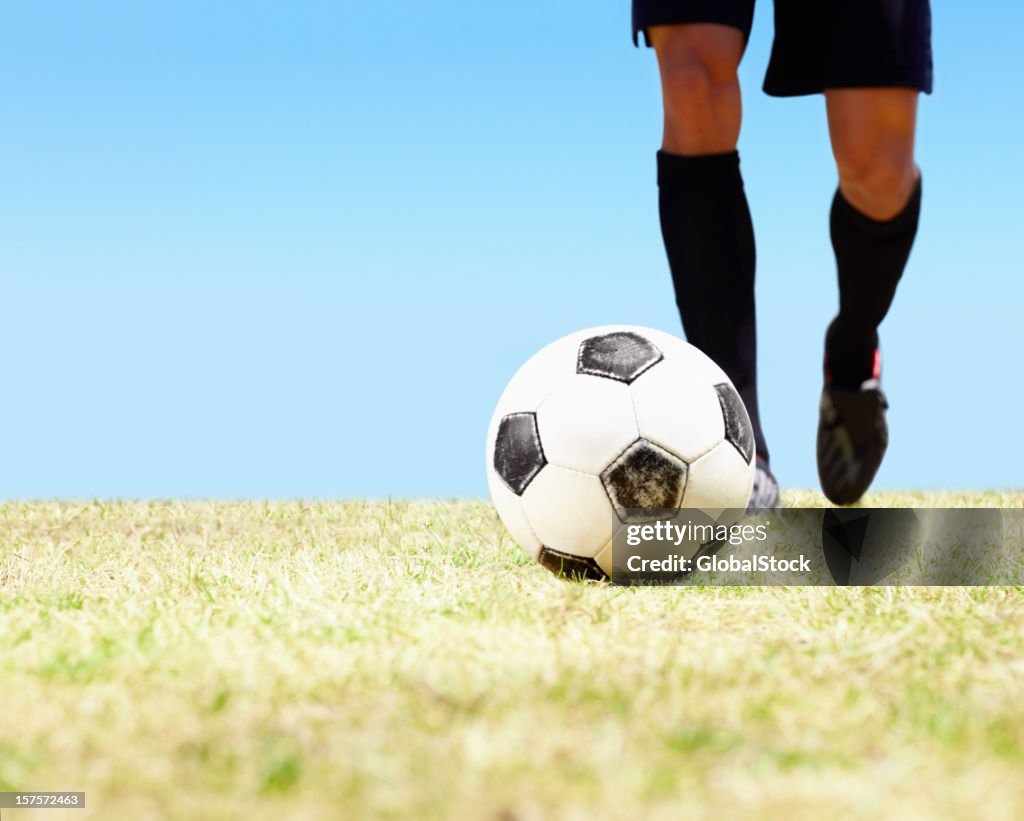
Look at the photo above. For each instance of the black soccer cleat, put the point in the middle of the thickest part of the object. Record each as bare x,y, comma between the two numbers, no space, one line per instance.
764,495
852,437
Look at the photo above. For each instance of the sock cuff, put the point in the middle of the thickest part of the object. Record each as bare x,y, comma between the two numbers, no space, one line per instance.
904,223
698,172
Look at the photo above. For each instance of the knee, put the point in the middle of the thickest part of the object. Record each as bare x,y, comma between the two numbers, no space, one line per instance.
876,181
693,84
700,91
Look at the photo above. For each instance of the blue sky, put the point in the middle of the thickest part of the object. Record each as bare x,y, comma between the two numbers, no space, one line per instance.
276,250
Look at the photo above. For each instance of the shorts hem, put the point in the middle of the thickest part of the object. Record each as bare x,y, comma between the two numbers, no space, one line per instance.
713,15
647,40
782,89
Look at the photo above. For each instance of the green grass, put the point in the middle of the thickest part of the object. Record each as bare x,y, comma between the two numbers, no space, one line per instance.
228,660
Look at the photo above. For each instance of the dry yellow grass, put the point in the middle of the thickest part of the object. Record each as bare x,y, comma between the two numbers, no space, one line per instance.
227,660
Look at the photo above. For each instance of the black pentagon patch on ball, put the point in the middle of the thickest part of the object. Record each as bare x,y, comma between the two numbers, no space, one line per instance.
645,477
621,355
572,567
737,423
518,456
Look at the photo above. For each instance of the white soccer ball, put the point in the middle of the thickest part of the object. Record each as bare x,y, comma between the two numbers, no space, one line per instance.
609,418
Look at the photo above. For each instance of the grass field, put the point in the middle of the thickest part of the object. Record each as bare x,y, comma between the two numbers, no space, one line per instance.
350,660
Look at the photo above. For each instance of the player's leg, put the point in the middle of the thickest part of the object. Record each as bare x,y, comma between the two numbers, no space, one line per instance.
874,217
873,224
705,219
871,60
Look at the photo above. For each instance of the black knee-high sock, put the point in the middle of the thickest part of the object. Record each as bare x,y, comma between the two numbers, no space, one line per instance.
709,239
870,258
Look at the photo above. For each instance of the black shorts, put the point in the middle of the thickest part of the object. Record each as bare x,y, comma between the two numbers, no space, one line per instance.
821,44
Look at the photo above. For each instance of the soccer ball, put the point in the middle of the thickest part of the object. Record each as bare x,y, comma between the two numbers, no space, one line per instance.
617,417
